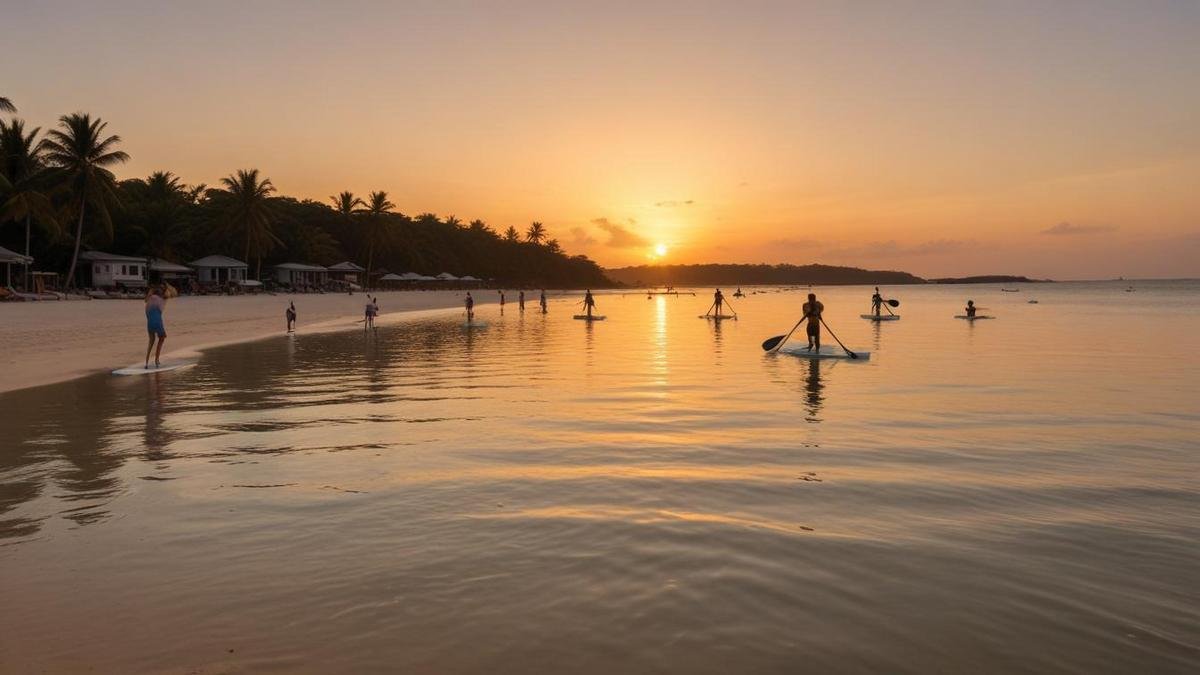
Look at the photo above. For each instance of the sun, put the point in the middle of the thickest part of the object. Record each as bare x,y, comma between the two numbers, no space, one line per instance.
660,250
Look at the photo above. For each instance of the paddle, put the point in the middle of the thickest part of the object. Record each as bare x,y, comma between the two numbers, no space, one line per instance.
894,303
710,308
778,340
731,309
835,337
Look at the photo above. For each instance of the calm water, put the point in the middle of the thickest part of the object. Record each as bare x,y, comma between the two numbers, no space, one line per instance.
647,494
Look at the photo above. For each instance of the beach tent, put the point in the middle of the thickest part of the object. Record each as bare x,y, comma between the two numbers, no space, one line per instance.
412,276
446,276
391,277
219,269
10,258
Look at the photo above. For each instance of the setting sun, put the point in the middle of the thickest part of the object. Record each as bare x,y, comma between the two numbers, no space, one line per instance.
660,250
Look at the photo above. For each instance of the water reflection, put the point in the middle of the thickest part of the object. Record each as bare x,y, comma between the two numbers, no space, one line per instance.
812,392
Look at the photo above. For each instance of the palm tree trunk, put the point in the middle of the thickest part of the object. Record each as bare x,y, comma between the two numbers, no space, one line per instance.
27,286
78,238
370,258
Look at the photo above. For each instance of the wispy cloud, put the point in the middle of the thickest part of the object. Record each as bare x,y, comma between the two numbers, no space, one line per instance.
673,203
580,237
1067,229
620,236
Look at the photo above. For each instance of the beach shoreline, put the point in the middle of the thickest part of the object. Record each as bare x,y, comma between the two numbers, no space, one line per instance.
49,342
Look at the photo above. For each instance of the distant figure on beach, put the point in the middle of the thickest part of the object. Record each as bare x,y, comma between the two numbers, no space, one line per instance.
970,308
155,304
718,302
291,317
470,303
589,303
521,301
876,302
369,312
542,300
812,312
738,293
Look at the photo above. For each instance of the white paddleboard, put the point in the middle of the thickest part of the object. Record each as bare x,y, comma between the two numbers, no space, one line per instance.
142,370
717,317
881,317
973,318
594,317
827,352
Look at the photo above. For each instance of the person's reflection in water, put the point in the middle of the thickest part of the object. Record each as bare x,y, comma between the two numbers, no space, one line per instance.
589,338
877,331
716,331
812,392
154,433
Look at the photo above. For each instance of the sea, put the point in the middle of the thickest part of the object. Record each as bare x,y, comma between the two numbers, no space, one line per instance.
650,493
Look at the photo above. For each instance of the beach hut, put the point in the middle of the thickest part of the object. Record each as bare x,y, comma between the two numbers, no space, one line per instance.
110,270
300,274
347,271
165,270
219,269
391,279
412,276
10,258
446,276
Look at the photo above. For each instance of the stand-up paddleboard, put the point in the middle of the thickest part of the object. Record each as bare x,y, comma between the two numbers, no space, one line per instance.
973,318
881,317
594,317
827,352
717,317
142,370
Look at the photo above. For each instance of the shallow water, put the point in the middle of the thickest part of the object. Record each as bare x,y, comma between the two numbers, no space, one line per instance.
647,494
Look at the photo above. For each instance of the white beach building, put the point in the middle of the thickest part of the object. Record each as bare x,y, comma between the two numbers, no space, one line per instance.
109,270
10,258
347,271
299,274
219,269
169,271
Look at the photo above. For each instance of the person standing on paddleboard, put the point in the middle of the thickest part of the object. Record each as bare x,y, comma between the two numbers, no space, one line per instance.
876,302
718,302
970,308
542,300
155,304
470,304
589,302
291,317
812,312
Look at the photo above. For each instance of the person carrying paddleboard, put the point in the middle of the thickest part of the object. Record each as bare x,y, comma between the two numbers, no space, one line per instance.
589,302
812,312
970,308
155,304
291,317
876,302
718,303
542,300
470,303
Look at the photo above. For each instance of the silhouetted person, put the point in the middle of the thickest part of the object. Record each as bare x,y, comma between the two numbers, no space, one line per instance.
291,317
970,308
876,302
812,312
718,302
542,301
470,304
589,302
521,300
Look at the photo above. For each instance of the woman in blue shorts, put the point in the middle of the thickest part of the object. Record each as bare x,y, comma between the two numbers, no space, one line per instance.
155,304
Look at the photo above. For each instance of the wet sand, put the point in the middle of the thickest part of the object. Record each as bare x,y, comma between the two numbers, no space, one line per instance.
47,342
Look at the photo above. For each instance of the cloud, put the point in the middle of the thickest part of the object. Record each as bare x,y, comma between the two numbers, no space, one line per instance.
619,236
580,237
1067,229
672,203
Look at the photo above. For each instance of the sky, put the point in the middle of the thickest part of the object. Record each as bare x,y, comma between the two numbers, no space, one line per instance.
1051,139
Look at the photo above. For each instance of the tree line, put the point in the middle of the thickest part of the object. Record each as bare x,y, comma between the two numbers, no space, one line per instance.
731,275
58,193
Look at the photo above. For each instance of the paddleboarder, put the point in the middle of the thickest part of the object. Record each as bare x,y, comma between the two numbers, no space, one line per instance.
718,303
812,313
470,303
970,308
876,302
542,300
291,317
155,304
589,302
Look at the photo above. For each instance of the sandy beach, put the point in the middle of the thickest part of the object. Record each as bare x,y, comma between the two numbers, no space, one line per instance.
47,342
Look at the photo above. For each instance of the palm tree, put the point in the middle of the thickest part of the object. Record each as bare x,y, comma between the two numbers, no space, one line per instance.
346,204
375,212
247,211
536,233
553,246
453,221
511,234
22,165
80,155
7,106
158,207
479,227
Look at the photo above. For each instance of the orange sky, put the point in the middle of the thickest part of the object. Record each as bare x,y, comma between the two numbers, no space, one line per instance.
1049,139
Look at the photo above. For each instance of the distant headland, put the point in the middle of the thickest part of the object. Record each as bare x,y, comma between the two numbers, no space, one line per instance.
748,275
989,279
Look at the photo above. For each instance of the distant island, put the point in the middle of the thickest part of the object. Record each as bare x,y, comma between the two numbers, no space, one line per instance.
988,279
748,275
